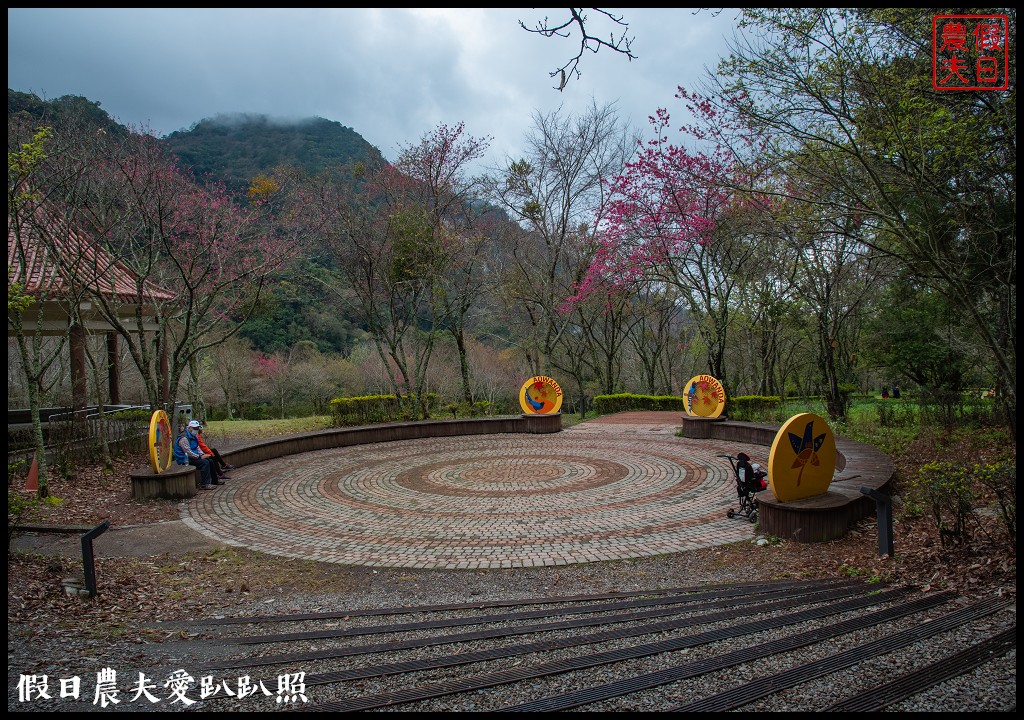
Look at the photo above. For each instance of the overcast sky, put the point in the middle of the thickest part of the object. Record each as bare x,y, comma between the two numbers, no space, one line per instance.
390,74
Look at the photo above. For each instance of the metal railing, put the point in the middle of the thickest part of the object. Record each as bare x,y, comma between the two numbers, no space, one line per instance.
70,430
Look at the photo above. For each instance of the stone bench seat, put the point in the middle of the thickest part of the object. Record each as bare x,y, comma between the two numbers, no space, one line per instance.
178,482
182,481
816,519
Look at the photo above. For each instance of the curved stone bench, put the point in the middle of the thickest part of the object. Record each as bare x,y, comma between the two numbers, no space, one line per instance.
817,519
179,481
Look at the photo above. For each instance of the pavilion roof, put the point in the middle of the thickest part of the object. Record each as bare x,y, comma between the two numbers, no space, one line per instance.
67,259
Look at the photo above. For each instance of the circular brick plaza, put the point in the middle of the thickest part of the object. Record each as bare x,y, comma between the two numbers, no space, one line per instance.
596,491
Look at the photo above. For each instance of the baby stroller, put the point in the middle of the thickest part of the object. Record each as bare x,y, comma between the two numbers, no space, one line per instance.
750,480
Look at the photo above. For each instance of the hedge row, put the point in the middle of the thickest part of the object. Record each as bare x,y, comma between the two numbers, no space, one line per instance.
607,404
371,409
739,407
746,407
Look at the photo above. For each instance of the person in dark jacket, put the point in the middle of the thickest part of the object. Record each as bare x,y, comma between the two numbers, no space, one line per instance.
188,452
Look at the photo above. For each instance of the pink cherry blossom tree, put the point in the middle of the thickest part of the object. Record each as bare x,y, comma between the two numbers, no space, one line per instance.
676,218
275,372
201,258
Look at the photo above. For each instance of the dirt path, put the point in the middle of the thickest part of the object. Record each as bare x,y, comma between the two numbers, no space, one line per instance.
172,536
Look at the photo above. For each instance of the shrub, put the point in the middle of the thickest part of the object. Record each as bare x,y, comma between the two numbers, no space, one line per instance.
364,410
946,490
482,408
753,407
371,409
142,415
1000,479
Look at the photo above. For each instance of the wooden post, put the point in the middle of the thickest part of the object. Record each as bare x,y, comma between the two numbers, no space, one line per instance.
165,372
79,386
89,558
113,369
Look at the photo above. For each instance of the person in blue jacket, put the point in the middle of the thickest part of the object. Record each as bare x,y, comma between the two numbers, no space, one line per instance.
188,452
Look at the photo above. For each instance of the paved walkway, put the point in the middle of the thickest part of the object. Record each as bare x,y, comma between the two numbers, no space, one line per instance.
614,488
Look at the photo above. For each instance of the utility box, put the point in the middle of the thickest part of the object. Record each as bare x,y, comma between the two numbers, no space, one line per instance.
182,417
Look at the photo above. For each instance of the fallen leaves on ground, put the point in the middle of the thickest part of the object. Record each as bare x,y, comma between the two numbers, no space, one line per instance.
94,494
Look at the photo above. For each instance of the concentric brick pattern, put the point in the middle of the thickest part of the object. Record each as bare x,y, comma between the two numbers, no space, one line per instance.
593,492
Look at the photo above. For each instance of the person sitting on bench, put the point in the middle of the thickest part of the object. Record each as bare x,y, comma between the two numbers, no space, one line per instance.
211,454
187,452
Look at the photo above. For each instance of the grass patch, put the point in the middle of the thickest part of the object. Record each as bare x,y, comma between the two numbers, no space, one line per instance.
570,419
255,429
248,430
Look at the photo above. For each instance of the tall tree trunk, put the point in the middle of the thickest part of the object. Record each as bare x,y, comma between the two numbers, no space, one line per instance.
101,406
37,438
113,370
460,343
33,375
835,399
195,390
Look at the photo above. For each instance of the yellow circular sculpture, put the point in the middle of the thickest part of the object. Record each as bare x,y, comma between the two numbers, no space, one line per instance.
540,395
704,397
802,459
160,441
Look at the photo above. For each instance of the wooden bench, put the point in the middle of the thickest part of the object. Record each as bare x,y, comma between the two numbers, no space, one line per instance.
180,481
817,519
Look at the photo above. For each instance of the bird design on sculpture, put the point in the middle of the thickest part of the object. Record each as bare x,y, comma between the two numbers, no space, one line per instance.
806,449
533,403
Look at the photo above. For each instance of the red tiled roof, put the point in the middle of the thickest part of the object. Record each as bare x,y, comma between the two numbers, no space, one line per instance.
92,264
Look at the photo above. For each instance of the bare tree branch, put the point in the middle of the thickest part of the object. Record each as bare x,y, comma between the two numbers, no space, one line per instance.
621,44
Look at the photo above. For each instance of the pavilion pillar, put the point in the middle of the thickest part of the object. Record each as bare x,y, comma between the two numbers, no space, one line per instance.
113,369
79,384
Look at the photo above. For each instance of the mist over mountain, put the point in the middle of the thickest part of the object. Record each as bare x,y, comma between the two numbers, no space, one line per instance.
231,148
235,148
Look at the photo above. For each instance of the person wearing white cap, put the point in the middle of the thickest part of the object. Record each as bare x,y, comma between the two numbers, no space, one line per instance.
187,452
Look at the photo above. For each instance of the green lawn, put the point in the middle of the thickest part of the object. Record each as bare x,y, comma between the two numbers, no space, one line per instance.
242,430
256,429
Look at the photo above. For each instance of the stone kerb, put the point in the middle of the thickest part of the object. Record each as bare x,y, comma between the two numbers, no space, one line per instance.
181,482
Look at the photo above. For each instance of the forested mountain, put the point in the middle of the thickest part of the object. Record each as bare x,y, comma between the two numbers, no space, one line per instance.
236,148
82,110
228,148
233,149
